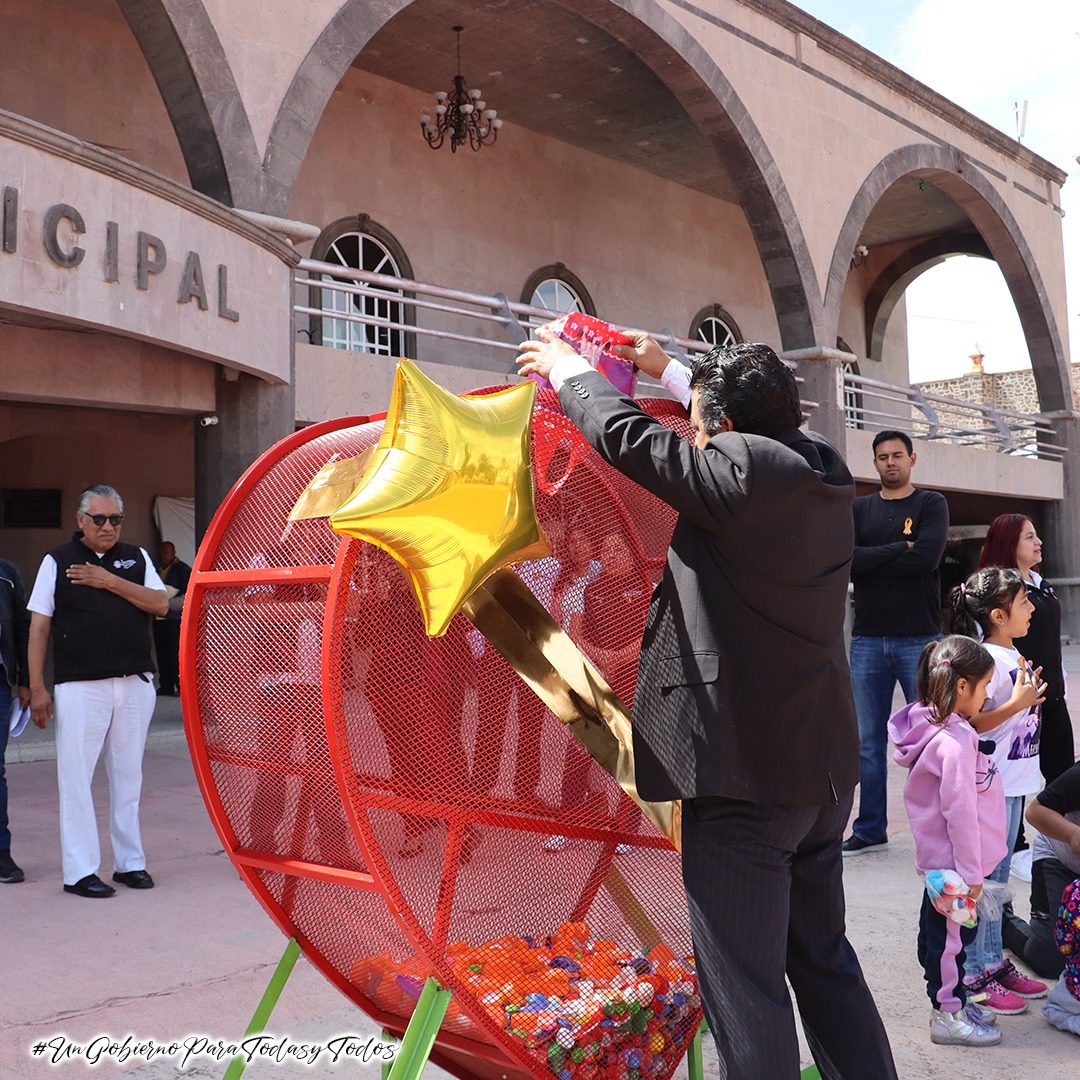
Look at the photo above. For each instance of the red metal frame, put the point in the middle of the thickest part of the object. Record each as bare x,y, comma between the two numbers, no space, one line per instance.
470,1059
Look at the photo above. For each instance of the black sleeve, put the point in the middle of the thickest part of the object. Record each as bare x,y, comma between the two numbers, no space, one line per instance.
1063,794
925,555
709,487
867,559
181,579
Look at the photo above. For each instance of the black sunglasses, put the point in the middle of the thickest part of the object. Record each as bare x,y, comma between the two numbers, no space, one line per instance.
100,519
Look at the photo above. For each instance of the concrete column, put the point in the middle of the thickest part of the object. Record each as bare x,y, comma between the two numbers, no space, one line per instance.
252,415
1061,528
821,370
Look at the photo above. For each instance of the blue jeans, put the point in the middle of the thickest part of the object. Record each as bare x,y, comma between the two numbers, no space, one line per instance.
877,665
986,952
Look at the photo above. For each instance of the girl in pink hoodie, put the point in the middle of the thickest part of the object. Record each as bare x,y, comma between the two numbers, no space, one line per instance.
955,806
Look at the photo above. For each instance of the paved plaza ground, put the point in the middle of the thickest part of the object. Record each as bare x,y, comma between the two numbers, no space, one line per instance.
193,955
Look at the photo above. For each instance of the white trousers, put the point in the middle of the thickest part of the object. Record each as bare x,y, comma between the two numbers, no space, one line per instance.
114,714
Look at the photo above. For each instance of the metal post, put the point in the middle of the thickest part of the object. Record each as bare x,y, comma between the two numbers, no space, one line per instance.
419,1036
261,1016
694,1065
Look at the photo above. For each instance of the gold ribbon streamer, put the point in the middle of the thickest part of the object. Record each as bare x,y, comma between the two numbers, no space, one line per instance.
505,611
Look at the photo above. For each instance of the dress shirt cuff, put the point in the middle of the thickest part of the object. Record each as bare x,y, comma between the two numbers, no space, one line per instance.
566,367
676,380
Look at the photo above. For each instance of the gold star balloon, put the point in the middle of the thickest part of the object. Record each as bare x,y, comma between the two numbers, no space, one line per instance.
448,490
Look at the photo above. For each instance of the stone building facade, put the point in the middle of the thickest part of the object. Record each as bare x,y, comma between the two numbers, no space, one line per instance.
164,164
1015,390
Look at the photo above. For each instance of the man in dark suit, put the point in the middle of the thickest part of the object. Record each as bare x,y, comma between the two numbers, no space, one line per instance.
14,678
743,706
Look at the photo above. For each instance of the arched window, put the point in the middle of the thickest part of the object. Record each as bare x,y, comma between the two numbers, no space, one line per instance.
362,244
714,326
557,290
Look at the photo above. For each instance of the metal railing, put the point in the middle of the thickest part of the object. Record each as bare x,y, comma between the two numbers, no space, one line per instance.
448,318
873,405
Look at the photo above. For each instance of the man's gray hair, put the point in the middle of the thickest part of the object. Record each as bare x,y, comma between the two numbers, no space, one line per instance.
99,491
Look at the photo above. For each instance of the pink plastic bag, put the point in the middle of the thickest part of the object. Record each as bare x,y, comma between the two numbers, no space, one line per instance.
592,339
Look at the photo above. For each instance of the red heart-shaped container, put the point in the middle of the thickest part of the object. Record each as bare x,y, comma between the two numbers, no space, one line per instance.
406,807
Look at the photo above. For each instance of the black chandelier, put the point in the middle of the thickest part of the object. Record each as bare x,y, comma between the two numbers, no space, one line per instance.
460,115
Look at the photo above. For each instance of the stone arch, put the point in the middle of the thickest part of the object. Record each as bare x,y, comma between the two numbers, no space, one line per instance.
884,294
959,178
670,50
188,63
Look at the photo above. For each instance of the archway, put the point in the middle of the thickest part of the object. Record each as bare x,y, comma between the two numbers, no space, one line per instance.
890,284
690,74
960,180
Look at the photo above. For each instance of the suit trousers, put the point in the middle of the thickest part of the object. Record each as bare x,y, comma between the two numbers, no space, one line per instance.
5,832
765,890
114,715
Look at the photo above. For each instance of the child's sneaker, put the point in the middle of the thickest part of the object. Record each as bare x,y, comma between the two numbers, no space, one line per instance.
1016,982
994,996
958,1029
979,1014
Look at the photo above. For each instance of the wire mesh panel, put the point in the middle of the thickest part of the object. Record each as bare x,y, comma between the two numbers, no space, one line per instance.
408,807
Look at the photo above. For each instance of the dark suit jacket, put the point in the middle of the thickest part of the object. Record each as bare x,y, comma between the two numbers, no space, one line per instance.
14,629
743,686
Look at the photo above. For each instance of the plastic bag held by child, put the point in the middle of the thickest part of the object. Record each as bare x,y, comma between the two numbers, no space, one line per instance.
948,892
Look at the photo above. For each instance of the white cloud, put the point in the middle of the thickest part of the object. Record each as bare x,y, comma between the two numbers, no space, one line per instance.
985,56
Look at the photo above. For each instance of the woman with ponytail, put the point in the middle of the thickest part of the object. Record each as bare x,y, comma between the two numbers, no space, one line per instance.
1013,541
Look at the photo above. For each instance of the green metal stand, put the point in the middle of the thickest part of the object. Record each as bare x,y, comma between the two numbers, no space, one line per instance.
419,1036
696,1068
261,1016
420,1033
694,1065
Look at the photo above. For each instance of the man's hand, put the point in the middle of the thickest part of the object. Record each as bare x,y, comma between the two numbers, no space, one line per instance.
645,353
539,357
41,707
975,891
24,696
97,577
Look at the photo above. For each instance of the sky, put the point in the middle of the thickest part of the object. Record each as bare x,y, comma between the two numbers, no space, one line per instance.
984,55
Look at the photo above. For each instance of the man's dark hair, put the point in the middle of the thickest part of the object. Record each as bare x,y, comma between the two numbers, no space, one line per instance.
749,385
888,436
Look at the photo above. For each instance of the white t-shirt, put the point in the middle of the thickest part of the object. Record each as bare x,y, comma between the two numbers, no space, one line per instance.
1016,754
43,597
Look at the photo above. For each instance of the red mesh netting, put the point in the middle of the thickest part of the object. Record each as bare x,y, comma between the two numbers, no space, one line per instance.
407,807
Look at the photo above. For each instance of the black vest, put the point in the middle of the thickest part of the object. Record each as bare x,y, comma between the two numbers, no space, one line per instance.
97,634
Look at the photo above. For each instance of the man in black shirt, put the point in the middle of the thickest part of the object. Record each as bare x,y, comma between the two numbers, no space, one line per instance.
900,536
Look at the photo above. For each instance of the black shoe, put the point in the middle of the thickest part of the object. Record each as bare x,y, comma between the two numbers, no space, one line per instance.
91,886
134,879
9,872
856,845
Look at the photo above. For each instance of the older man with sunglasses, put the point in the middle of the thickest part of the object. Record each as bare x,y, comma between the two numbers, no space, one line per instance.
101,594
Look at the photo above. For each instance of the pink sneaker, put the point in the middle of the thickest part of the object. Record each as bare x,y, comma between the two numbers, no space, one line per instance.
992,995
1016,982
